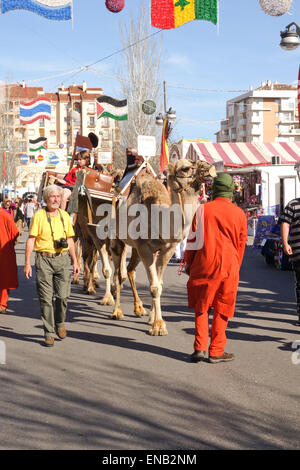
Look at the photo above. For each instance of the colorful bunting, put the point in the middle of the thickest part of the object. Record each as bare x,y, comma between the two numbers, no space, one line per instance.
50,9
37,109
164,154
168,14
110,107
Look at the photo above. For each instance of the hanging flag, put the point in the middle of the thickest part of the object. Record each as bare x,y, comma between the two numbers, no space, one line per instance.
50,9
109,107
37,109
164,153
38,144
168,14
299,95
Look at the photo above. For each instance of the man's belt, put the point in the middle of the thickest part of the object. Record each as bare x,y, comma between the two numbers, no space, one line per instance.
53,255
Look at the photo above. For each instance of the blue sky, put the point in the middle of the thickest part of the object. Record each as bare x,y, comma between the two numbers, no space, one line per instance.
244,52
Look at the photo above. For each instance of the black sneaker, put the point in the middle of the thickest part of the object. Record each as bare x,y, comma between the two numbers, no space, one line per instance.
198,356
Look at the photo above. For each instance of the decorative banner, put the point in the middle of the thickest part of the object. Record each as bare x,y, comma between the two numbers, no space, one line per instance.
54,160
275,7
37,109
109,107
61,146
115,6
164,154
168,14
38,144
149,107
40,158
50,9
24,158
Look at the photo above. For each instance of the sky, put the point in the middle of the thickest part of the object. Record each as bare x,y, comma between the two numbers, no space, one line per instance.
203,65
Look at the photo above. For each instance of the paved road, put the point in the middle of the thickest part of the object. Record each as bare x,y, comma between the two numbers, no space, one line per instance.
109,385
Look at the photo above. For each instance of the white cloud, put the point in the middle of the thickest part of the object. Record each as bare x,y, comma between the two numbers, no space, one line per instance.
179,60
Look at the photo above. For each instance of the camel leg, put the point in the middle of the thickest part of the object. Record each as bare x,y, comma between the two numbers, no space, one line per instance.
117,249
146,254
107,273
138,304
90,255
78,251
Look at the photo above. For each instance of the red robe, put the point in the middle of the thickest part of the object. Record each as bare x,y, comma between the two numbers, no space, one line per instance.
214,268
8,263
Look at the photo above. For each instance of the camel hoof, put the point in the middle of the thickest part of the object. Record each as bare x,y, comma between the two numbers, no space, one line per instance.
159,329
90,292
117,314
139,310
75,281
107,300
96,284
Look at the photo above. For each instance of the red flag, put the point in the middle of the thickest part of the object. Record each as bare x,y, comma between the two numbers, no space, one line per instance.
164,154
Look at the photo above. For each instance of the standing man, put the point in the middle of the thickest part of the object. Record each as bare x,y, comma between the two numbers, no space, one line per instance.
8,265
289,222
29,211
50,234
213,258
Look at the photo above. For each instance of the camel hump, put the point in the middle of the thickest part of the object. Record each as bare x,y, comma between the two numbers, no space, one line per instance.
152,190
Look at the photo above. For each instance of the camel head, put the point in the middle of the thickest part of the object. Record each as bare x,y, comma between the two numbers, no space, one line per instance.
186,174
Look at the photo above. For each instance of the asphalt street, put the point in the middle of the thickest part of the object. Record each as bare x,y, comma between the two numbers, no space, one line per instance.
110,385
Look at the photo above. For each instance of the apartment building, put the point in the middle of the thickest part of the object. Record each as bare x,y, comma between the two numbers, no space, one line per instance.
73,110
266,114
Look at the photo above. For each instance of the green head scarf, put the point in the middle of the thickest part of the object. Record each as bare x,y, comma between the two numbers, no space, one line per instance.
223,186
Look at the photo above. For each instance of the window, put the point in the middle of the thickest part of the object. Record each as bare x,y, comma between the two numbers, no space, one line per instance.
92,121
91,108
42,122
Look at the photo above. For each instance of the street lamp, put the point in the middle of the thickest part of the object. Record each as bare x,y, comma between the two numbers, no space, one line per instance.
290,37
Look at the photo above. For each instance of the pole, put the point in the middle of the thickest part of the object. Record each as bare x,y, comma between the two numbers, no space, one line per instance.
165,96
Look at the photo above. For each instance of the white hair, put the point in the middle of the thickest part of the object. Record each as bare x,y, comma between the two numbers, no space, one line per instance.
52,188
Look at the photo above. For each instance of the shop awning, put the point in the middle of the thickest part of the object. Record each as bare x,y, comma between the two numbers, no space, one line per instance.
241,154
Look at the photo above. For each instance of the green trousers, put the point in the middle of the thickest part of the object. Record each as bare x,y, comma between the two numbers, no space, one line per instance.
53,281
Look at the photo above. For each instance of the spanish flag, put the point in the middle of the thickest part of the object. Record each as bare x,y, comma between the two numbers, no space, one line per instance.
164,154
168,14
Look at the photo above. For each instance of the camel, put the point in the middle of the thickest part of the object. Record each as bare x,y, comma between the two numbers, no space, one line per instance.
184,179
92,247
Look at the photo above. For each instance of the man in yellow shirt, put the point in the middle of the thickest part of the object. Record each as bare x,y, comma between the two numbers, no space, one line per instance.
50,235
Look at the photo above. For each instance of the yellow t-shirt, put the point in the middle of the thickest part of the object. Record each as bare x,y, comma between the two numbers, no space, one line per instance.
40,229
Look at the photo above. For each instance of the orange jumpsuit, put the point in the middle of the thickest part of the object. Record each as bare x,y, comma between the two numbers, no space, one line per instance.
214,270
8,265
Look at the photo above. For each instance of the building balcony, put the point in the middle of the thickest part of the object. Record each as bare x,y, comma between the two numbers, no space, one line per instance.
289,131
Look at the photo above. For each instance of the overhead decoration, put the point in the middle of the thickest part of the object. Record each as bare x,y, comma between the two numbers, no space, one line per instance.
40,158
275,7
168,14
24,158
38,144
110,107
37,109
149,107
54,160
50,9
115,6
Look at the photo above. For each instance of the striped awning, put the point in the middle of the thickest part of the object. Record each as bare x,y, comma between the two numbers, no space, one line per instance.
241,154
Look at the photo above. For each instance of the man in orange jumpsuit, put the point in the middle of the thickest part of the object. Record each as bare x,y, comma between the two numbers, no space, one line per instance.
213,258
8,265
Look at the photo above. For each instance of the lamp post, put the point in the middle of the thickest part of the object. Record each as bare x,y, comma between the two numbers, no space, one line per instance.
290,37
169,116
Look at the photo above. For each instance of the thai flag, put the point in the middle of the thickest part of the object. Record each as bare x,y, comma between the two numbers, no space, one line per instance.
37,109
50,9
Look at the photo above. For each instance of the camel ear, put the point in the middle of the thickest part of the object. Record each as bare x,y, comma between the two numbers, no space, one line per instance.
212,171
170,168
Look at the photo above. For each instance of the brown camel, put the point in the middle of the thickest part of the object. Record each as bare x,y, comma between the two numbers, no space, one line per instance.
176,206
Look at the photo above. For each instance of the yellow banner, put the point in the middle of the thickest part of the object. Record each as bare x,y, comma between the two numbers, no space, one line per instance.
184,11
